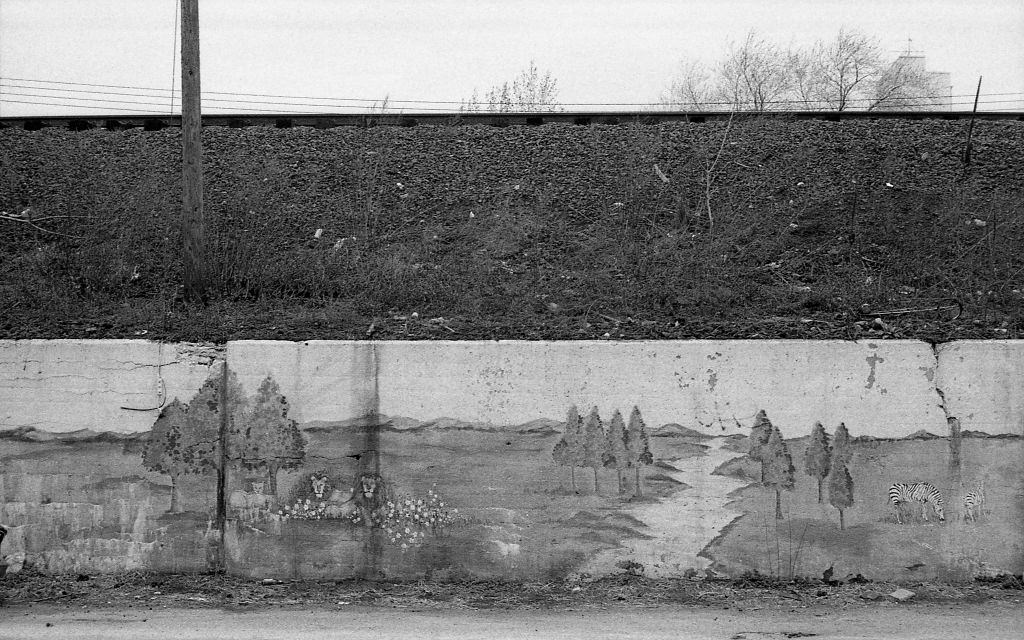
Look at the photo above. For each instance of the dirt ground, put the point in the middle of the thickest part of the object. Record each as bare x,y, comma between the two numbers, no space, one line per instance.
993,621
145,591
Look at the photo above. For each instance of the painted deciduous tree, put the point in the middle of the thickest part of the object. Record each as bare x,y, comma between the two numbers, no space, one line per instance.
818,456
758,440
594,442
840,491
265,437
185,438
568,452
779,473
616,454
638,446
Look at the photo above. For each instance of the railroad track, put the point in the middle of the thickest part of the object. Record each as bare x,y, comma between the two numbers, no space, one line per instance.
157,122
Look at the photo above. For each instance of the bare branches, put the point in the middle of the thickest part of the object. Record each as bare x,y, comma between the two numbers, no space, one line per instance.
709,173
25,217
691,90
529,91
846,68
754,74
845,72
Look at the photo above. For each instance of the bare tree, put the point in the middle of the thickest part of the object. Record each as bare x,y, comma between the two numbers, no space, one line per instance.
753,75
805,86
692,89
848,71
529,91
845,68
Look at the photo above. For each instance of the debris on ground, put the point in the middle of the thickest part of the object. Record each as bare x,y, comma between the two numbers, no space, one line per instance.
902,595
148,590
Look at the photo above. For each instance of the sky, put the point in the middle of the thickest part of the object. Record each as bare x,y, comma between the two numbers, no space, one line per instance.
600,51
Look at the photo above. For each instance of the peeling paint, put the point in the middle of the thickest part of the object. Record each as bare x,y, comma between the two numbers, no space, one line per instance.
872,361
328,486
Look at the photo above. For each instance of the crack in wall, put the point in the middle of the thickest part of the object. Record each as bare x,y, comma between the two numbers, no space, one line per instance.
952,421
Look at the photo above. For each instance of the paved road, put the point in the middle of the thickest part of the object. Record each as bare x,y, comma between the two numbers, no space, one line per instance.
991,621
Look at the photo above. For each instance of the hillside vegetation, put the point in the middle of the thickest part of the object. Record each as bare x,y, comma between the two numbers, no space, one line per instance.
756,228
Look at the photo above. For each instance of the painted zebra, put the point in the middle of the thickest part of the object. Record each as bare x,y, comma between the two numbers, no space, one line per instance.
974,501
923,492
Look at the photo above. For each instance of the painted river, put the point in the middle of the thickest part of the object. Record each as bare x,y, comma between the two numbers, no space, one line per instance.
681,525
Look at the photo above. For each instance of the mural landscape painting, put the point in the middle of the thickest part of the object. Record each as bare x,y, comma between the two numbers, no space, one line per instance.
597,492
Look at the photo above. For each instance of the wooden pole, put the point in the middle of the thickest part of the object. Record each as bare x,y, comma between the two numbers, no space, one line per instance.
970,125
192,228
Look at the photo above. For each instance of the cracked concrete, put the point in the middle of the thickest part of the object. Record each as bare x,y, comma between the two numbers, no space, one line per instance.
118,385
104,385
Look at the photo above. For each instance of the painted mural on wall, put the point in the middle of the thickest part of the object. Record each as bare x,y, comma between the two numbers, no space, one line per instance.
230,478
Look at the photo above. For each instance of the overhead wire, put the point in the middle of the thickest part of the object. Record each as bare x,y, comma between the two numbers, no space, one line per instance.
937,100
260,105
174,49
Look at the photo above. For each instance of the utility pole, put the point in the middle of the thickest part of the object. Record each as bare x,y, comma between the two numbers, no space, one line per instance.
192,228
970,125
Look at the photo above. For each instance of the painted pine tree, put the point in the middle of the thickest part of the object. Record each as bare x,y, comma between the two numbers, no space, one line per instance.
840,490
594,442
779,473
842,449
758,440
266,438
616,454
185,439
568,452
638,446
818,456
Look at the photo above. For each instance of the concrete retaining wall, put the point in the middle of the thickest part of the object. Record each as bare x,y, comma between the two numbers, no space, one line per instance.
514,459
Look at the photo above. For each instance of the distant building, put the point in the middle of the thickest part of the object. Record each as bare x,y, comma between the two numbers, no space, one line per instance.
908,85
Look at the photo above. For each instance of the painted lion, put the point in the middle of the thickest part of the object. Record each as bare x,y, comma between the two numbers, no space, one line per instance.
370,498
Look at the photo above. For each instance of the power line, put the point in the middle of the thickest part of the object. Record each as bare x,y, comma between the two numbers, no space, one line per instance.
944,98
73,106
919,102
174,50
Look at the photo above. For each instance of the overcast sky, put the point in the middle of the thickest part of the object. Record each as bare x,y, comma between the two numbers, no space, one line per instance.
599,50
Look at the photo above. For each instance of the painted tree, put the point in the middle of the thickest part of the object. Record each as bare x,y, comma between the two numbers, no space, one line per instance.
265,437
779,472
593,443
568,452
818,456
616,454
840,491
638,446
758,440
185,438
842,448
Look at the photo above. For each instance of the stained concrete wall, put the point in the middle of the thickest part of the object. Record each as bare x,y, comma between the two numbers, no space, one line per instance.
453,459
